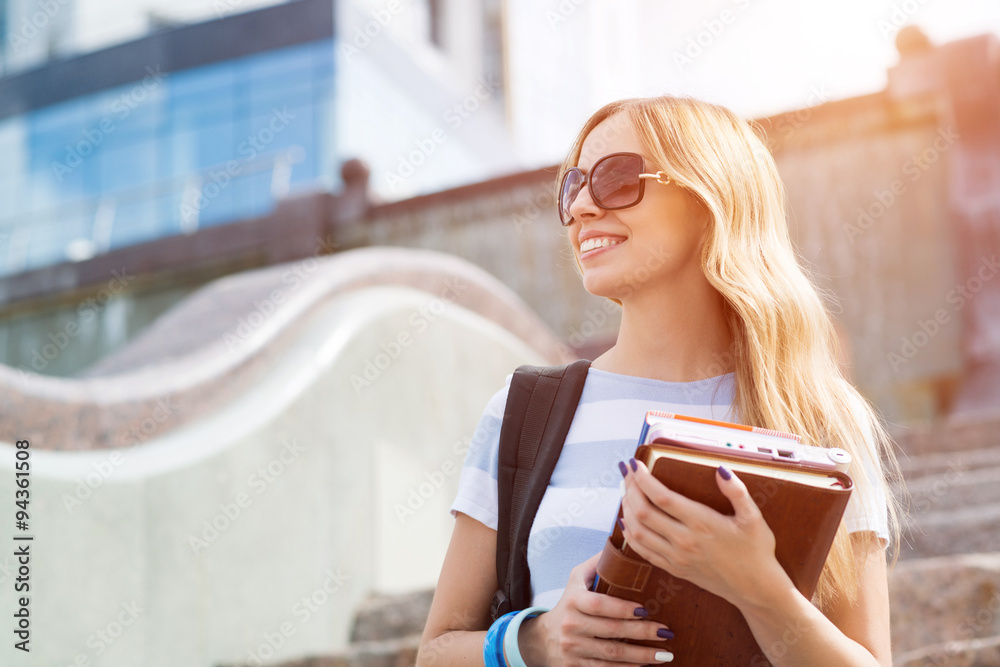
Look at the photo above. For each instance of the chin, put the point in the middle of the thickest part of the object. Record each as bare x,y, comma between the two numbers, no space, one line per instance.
606,284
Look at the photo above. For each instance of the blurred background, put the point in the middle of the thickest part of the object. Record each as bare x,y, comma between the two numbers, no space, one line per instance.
262,264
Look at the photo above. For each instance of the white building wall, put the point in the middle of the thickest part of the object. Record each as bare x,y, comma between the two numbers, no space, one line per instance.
423,118
257,531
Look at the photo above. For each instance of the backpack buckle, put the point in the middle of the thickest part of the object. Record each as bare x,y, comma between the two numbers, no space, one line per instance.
499,605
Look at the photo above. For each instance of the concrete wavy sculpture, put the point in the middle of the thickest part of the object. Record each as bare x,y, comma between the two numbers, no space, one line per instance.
276,447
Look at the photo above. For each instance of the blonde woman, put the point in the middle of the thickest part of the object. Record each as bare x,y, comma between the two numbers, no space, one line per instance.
674,210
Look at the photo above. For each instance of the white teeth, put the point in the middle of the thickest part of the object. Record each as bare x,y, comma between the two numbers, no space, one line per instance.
598,242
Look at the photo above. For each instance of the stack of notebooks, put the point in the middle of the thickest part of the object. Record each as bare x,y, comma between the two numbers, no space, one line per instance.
802,492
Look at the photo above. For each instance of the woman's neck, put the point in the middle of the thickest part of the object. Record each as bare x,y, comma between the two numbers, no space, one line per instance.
675,336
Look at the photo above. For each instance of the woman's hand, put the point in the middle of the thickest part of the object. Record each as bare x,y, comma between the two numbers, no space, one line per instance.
730,556
584,628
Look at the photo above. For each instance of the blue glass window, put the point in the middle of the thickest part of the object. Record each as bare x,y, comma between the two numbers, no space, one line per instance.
171,151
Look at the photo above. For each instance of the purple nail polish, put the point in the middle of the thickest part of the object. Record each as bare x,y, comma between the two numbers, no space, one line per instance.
621,524
623,468
641,611
635,466
724,471
664,633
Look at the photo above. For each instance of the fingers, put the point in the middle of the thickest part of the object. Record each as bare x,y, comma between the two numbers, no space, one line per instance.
677,506
636,504
606,615
603,621
672,531
604,650
600,605
686,511
654,547
735,490
648,530
592,626
583,574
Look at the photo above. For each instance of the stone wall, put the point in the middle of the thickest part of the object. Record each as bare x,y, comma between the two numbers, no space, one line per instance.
889,207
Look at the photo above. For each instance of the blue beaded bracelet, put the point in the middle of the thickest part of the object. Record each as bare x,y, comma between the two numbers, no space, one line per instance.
510,647
493,646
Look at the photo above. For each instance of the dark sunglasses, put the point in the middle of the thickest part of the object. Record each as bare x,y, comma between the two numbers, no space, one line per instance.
615,181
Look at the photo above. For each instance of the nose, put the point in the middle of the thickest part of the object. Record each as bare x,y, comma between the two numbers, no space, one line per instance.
583,205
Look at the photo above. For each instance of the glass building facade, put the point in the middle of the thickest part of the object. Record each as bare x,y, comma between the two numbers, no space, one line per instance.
166,154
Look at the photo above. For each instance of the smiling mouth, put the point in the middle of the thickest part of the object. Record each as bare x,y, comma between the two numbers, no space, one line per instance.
591,247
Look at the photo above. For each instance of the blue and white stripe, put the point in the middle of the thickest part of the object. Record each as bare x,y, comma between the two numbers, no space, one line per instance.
581,502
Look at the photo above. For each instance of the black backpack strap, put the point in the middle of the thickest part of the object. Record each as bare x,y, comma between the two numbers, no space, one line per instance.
540,406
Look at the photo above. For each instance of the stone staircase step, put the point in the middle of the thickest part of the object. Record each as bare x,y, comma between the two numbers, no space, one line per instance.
953,531
953,489
945,611
916,466
955,433
969,653
394,652
392,616
386,633
941,600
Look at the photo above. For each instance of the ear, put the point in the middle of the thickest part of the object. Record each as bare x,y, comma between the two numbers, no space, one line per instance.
703,215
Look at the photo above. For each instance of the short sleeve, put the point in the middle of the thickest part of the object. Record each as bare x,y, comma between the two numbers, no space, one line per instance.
868,510
477,484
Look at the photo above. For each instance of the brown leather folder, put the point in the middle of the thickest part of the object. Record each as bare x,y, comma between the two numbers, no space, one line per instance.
708,630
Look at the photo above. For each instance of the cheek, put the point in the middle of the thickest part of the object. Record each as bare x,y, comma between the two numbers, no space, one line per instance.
573,247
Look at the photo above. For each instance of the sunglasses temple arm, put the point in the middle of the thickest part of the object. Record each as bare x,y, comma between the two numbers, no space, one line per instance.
660,176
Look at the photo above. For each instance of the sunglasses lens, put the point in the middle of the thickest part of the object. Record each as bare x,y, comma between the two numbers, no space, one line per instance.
570,189
616,181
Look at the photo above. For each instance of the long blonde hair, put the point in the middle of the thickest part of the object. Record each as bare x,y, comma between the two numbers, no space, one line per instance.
785,348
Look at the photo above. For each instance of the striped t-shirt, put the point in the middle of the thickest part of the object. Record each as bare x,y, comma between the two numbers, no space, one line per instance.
583,495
